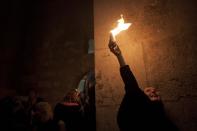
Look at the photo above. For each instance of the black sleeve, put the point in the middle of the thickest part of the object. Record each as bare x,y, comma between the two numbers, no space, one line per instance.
131,85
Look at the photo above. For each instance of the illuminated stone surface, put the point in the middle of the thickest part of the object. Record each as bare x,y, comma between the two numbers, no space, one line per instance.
161,49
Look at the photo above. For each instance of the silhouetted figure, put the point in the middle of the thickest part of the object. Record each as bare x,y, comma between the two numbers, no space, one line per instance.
139,110
69,111
77,110
42,118
12,115
32,100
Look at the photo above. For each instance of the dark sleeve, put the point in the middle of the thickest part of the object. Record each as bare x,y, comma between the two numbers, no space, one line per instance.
131,85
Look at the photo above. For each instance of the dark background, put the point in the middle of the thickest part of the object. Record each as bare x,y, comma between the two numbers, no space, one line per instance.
44,45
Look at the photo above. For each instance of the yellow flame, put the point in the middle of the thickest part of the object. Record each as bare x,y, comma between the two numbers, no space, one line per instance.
120,27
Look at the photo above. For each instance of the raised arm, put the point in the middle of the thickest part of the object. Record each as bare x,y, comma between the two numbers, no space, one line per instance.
130,82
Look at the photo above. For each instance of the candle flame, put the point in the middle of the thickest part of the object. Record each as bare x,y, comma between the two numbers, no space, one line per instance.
120,27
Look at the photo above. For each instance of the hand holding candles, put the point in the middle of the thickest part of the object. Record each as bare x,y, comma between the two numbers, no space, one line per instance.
114,48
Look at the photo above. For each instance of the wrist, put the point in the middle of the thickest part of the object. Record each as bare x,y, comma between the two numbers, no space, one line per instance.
121,60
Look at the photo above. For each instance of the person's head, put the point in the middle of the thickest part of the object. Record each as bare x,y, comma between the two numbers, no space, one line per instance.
43,112
72,96
152,93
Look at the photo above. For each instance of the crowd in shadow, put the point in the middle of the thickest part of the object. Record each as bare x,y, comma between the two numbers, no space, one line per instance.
76,112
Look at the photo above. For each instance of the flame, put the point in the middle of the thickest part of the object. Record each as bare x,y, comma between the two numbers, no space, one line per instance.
120,27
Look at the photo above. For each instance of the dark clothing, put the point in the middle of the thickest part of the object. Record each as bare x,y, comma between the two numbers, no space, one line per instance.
29,108
71,115
12,116
50,125
137,112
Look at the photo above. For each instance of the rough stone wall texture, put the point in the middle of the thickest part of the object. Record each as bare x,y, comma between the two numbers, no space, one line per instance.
46,45
161,49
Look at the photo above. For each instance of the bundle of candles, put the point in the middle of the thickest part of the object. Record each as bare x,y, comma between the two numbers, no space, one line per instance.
120,27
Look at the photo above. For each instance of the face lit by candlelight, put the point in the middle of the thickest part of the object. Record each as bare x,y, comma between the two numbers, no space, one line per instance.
152,93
